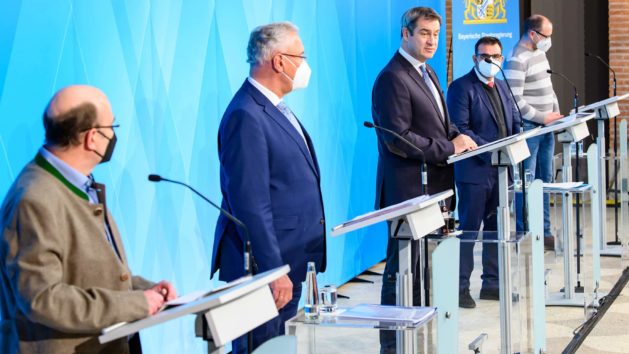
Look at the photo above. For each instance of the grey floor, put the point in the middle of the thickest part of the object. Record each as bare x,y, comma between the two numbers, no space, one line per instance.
611,335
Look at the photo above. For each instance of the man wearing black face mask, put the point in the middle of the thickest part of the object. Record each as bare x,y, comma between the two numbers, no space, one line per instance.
481,107
64,275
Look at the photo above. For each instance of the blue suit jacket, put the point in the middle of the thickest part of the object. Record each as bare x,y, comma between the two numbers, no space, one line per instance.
270,181
471,111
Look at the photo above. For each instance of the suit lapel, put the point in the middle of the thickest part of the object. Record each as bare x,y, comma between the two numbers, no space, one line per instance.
414,74
484,96
433,78
283,122
508,113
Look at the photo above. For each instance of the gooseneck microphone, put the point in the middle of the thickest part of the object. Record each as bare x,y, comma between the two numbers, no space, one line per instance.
515,102
249,262
574,87
614,85
608,67
487,60
423,167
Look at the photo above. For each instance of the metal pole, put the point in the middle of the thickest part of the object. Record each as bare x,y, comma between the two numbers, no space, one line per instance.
504,260
404,292
602,188
566,209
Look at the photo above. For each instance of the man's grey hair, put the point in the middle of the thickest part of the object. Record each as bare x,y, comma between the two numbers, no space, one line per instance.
266,40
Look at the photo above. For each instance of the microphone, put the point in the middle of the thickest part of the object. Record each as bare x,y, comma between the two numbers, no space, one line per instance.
608,67
248,255
574,87
515,102
423,167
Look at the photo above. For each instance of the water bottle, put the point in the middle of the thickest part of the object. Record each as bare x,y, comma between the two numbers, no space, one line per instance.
311,305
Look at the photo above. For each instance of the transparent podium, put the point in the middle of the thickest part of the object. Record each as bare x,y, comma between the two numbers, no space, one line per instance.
222,316
505,153
605,110
412,220
571,130
328,334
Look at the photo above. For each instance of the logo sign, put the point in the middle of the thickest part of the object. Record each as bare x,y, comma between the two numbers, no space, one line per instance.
485,12
474,19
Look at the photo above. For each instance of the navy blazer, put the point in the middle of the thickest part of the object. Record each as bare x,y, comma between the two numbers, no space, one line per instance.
472,112
402,102
270,181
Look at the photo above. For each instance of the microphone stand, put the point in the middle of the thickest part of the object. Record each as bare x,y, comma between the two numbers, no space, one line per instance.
423,190
578,288
248,255
525,217
616,241
423,169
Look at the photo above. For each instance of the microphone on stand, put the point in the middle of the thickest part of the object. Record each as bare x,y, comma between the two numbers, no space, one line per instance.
525,220
515,102
574,87
423,167
249,261
608,67
616,240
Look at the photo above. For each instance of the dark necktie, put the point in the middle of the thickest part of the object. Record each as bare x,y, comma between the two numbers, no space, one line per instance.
100,194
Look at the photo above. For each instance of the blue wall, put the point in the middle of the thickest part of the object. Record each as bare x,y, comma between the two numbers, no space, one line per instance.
170,69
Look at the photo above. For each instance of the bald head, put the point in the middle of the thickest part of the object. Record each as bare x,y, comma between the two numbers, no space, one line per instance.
536,23
73,110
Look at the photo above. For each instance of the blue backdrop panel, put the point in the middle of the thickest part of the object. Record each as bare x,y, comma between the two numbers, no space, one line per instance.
170,69
472,19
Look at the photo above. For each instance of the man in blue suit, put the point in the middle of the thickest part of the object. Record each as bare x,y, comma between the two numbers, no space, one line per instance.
270,176
481,107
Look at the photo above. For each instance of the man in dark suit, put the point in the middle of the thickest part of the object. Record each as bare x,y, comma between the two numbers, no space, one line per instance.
270,176
481,107
407,99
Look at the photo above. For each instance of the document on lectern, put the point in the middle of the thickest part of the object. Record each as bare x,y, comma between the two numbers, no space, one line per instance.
188,298
385,313
196,295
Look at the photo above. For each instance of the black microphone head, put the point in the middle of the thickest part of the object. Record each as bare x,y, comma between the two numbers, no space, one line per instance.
549,71
155,178
487,60
587,54
368,124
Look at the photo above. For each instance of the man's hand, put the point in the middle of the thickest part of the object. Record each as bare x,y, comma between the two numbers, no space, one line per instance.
551,117
155,300
463,143
282,290
166,289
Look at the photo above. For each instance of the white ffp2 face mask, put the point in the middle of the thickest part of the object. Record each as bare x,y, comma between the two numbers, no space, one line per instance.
488,70
302,75
544,44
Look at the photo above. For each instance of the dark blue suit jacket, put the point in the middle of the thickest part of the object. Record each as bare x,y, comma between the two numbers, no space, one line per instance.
402,102
471,111
270,181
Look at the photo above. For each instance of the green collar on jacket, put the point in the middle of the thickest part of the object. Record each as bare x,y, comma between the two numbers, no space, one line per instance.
43,163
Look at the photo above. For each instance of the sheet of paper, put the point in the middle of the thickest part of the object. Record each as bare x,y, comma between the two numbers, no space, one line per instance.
389,313
564,185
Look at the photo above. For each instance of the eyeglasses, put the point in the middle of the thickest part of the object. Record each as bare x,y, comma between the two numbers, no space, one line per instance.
106,126
489,56
294,55
541,34
112,127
